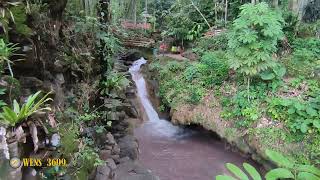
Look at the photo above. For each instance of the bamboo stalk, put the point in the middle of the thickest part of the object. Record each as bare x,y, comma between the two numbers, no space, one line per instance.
200,14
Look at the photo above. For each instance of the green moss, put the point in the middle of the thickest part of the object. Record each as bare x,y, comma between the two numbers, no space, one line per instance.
69,135
20,19
231,134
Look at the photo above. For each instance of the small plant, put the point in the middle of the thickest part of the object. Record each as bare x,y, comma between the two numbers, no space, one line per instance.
2,92
276,72
298,115
287,170
87,117
6,14
16,114
115,81
6,51
253,39
205,44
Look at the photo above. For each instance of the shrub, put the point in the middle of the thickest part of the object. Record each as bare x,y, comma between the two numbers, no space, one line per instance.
299,115
115,81
215,68
253,39
215,43
305,59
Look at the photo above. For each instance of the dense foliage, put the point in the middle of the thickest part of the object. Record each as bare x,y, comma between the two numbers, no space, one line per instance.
254,38
279,55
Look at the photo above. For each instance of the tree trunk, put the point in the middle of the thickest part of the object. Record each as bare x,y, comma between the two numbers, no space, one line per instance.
204,18
298,7
275,3
215,11
104,16
226,13
135,12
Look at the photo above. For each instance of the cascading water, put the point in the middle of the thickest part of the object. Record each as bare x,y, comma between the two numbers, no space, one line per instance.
142,90
173,152
161,127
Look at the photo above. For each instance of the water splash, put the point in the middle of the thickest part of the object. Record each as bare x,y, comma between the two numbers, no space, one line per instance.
142,89
157,126
174,152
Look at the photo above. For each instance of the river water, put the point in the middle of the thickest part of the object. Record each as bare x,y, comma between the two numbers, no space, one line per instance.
174,152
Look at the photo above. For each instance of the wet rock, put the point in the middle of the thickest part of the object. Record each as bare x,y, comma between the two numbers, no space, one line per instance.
131,92
124,159
116,158
122,115
111,164
113,116
116,149
131,170
128,147
105,154
128,109
30,174
55,140
108,147
110,139
103,172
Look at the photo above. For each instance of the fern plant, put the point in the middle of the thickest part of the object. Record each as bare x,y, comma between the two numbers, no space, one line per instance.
287,169
6,14
115,81
16,114
253,39
6,51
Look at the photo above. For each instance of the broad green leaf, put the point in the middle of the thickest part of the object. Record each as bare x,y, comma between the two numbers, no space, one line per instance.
291,110
252,171
299,106
237,171
316,124
224,177
267,75
307,176
312,112
279,159
11,115
279,173
280,71
304,127
16,107
310,169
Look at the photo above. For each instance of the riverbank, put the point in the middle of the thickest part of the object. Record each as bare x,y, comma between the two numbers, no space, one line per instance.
253,131
176,152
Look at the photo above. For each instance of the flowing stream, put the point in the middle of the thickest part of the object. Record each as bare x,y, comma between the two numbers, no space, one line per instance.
174,152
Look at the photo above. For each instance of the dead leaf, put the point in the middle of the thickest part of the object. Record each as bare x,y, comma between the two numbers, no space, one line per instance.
52,120
19,132
34,135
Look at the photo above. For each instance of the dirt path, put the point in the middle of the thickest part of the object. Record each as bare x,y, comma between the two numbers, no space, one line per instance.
173,56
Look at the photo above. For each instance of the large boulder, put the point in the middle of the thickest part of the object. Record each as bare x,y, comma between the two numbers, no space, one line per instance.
103,172
131,170
128,147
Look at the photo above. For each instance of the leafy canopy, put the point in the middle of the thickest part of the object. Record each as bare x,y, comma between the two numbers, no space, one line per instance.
253,39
